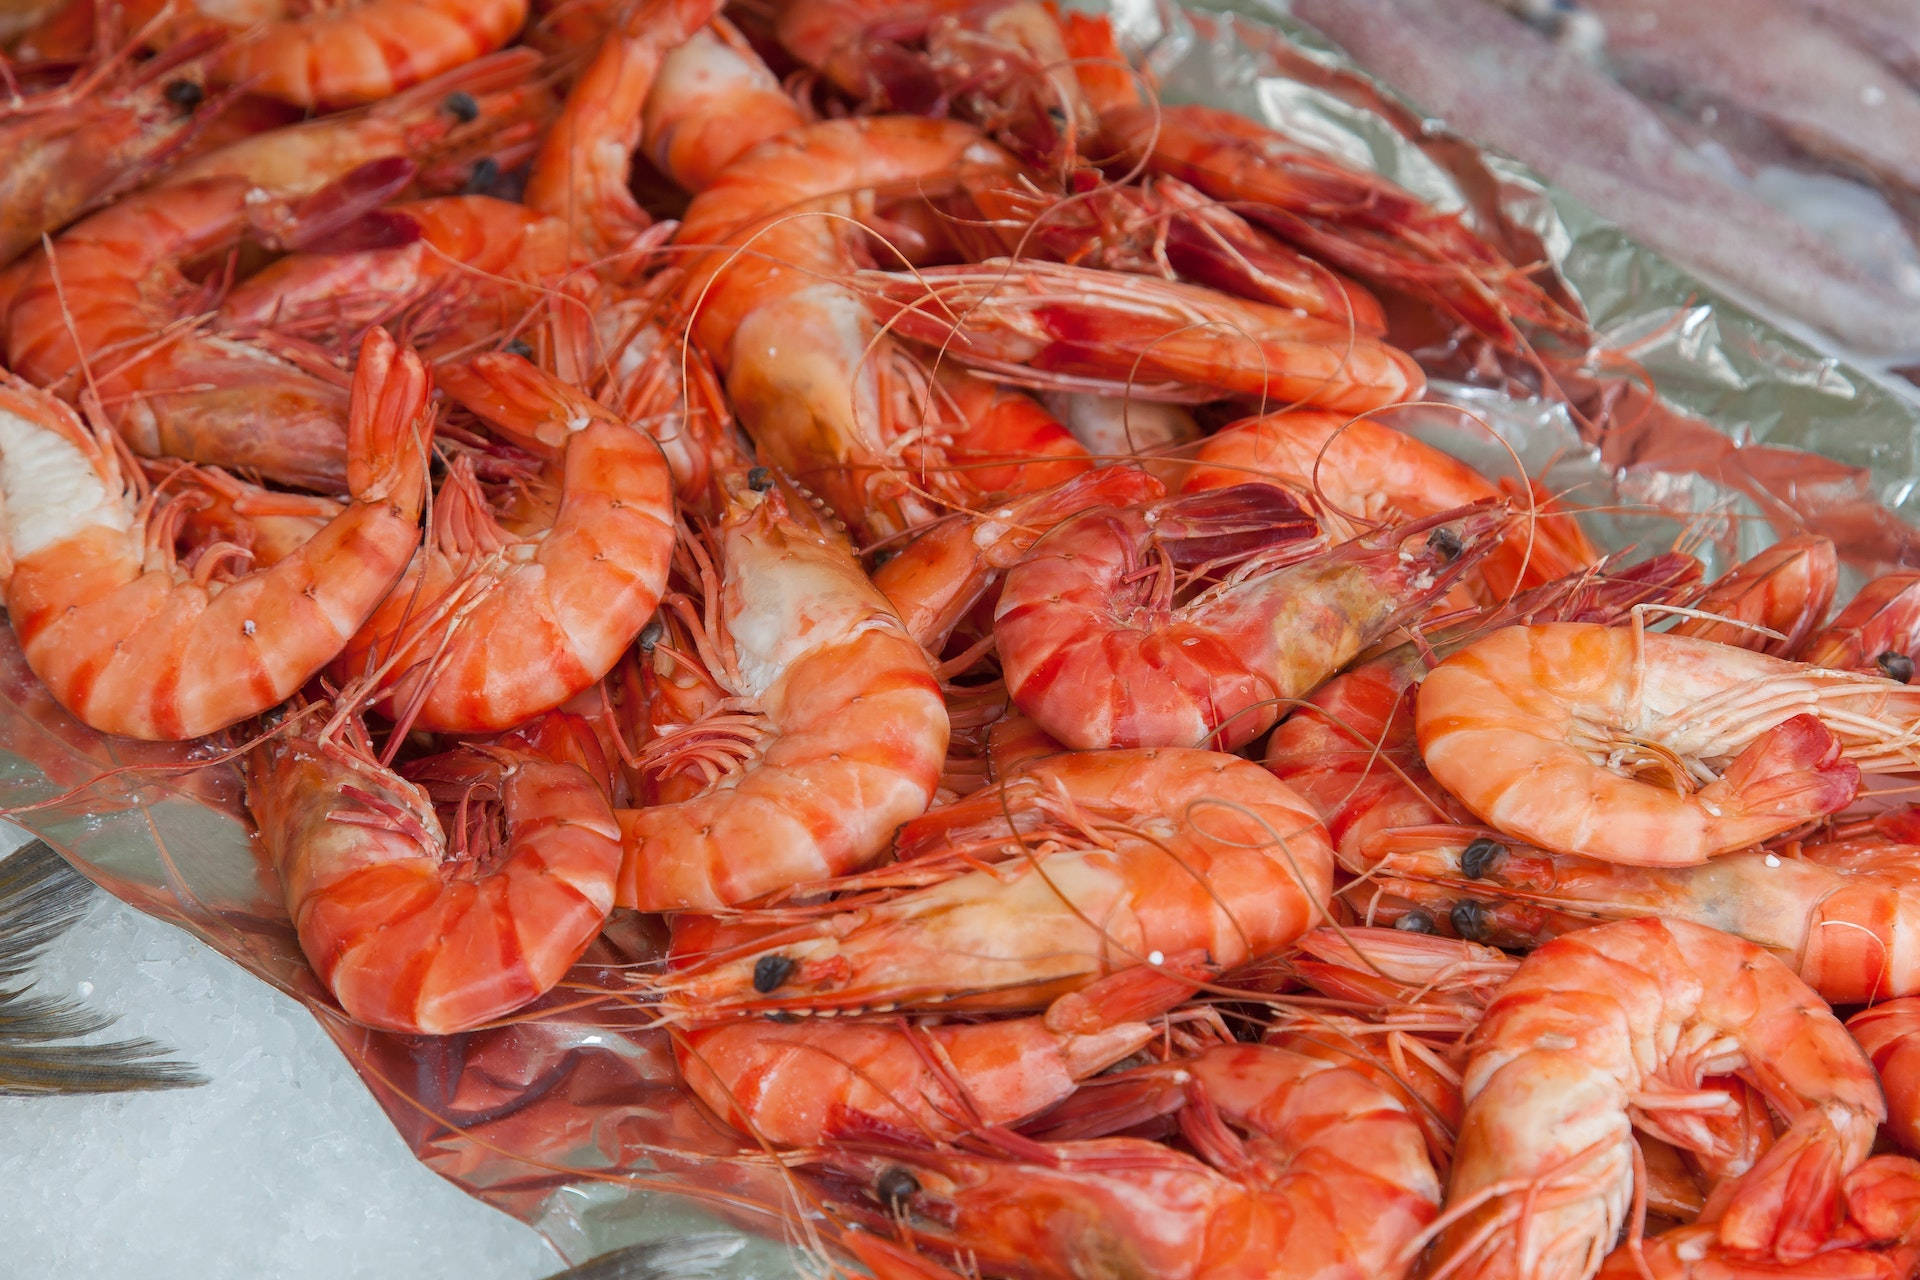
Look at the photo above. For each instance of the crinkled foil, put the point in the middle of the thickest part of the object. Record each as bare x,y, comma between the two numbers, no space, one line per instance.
571,1119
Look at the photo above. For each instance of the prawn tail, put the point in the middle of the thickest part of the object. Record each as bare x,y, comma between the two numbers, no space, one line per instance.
1131,994
1216,526
390,424
519,399
1790,774
348,215
1789,1206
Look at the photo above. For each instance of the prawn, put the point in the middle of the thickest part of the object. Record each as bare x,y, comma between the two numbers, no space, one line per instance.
1546,731
1618,1024
551,591
826,730
1050,326
134,642
340,55
110,298
1098,647
1890,1034
1878,631
799,1084
1332,1180
811,378
413,929
1360,474
713,100
1784,589
1107,861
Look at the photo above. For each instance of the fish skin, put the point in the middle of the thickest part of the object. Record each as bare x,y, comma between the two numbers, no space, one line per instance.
1471,63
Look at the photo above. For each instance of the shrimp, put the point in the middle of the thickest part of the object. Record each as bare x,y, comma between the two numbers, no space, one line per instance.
1047,325
826,733
414,930
712,101
133,642
814,383
1890,1033
1354,220
1784,589
1618,1024
341,55
1107,861
1535,729
1332,1180
1361,474
66,151
552,591
1879,630
580,174
104,309
471,268
1099,649
800,1084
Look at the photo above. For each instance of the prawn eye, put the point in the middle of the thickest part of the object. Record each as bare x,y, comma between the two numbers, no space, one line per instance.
649,637
461,106
770,971
895,1184
1445,543
184,94
1469,920
759,479
1480,857
519,348
1414,922
1895,665
486,172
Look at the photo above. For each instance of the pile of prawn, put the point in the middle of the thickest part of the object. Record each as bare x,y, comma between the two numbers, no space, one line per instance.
874,490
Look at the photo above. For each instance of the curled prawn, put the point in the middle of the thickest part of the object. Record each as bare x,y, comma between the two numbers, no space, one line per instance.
1617,1025
1547,731
134,642
1890,1033
1331,1180
824,730
414,929
548,593
1099,647
1107,861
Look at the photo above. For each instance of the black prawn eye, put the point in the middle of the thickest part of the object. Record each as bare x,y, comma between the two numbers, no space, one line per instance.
1469,920
184,94
1895,666
760,479
895,1185
486,172
1480,857
1414,922
519,348
770,971
649,637
461,106
1445,543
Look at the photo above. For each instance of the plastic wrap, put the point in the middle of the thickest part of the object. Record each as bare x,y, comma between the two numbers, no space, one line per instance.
570,1118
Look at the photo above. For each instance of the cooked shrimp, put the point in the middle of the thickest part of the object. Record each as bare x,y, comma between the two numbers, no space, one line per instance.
132,641
414,930
1048,325
71,149
1354,220
799,1084
340,55
1108,861
104,309
1541,730
712,101
580,175
1098,647
1619,1024
826,734
1890,1033
1360,473
1332,1181
1879,630
552,589
1784,589
812,380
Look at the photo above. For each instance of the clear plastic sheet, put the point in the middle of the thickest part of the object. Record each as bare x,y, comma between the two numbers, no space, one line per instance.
571,1119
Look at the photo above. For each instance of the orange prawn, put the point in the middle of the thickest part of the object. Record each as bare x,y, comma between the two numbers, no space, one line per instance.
1878,631
1890,1033
1784,589
136,643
